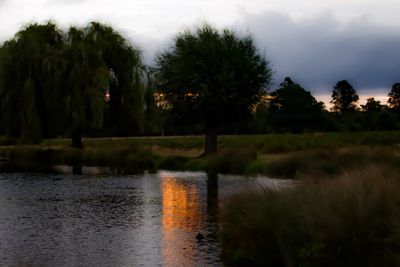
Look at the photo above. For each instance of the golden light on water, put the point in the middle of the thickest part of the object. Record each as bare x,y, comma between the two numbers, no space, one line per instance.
181,207
181,217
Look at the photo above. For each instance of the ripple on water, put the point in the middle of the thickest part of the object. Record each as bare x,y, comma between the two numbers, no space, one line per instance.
141,220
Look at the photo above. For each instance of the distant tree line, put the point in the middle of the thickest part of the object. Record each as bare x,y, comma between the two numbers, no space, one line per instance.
291,108
91,81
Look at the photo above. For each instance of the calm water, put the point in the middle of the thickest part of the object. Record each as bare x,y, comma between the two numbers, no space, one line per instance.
144,220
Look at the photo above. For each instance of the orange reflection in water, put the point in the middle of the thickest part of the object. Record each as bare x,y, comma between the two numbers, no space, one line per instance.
181,218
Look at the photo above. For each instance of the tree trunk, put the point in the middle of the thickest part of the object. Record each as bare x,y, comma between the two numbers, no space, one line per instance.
76,139
211,136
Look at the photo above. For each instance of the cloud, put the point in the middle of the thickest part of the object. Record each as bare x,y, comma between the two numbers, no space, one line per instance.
316,48
64,2
319,51
316,52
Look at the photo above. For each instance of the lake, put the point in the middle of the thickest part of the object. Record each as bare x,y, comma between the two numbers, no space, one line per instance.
106,220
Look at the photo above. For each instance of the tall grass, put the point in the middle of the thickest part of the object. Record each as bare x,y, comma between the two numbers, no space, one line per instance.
324,163
350,221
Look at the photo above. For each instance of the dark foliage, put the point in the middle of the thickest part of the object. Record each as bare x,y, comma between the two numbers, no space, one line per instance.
54,83
293,109
212,78
344,97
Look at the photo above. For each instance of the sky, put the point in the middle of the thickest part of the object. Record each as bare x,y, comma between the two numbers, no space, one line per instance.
317,43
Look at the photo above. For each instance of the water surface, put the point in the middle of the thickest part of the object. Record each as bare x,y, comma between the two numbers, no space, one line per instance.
136,220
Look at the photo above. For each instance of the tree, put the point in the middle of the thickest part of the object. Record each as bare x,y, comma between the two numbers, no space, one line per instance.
29,69
152,111
372,105
126,88
53,82
394,98
99,61
294,109
372,113
344,97
213,78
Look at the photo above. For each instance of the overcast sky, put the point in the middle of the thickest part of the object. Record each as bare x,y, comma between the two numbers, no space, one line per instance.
315,42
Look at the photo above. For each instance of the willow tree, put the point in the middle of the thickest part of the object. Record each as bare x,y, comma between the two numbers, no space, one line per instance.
99,61
30,102
212,77
53,82
125,84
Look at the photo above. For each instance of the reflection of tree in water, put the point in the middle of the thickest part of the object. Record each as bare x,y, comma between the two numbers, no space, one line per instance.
212,211
212,196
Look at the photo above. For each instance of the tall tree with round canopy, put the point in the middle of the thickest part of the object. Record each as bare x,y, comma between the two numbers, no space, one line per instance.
344,97
294,109
213,78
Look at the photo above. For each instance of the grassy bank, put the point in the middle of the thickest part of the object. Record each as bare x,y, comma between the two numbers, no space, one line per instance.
271,143
284,156
350,221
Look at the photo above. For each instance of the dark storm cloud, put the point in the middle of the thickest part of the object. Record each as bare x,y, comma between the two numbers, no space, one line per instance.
319,52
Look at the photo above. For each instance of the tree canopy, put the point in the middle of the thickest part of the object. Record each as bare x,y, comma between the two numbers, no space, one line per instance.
53,82
30,68
344,97
212,77
372,105
394,98
293,109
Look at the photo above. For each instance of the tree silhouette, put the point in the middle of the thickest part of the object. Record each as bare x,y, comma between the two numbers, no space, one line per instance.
53,82
99,60
294,109
212,78
372,105
394,98
372,114
344,97
30,68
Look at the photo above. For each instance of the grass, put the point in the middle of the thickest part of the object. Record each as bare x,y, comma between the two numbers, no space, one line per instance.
271,143
349,221
328,163
278,155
